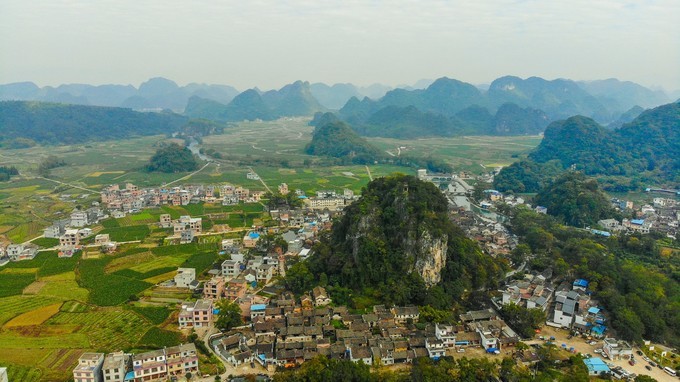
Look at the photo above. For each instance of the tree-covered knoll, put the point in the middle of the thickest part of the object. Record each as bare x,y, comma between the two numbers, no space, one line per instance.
397,245
638,287
336,139
644,151
172,158
51,123
575,200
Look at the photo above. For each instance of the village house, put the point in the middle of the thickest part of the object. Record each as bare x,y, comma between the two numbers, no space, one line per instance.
181,359
89,368
69,239
19,252
615,349
403,314
231,268
197,314
186,278
321,297
214,288
115,366
532,292
250,239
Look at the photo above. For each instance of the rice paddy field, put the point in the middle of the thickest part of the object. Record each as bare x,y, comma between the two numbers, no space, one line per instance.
53,309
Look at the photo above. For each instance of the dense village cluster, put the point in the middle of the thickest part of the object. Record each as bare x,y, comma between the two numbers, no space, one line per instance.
283,330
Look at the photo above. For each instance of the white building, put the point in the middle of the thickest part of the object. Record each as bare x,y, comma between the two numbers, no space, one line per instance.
89,368
185,277
79,219
115,366
617,349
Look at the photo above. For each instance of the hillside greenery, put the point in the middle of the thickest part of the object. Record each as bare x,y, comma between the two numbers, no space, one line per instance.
172,158
637,286
375,249
336,139
575,200
27,123
7,172
644,151
446,369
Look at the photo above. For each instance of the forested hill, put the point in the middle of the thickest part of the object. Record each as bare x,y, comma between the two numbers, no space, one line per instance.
398,244
646,150
335,139
25,123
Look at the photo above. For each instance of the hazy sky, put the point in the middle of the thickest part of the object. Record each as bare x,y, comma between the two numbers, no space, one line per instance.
248,43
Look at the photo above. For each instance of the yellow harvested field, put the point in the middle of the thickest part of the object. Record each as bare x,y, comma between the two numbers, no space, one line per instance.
160,278
128,261
66,276
34,287
18,271
34,317
100,173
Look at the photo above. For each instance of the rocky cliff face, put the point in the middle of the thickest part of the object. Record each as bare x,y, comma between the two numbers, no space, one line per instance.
430,257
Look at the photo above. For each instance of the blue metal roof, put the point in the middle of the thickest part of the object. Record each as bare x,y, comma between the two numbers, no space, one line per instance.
258,307
581,283
596,365
594,310
638,221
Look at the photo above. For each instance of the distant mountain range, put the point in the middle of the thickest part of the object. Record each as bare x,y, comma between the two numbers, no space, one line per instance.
291,100
510,106
444,107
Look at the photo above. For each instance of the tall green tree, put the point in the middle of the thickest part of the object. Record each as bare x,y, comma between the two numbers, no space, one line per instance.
229,315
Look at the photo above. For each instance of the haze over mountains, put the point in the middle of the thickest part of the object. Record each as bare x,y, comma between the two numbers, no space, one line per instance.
444,107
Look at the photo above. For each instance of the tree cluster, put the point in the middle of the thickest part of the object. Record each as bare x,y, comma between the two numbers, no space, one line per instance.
576,200
7,171
172,158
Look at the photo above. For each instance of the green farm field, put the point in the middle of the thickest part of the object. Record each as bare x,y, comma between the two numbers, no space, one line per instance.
275,150
53,309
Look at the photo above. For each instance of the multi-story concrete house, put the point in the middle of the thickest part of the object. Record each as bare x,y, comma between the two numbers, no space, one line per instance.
181,359
185,277
149,366
214,288
18,252
69,239
231,269
79,219
115,367
89,368
196,314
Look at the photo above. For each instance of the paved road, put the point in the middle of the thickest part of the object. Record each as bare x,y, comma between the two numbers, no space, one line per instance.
368,170
261,180
190,175
66,184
